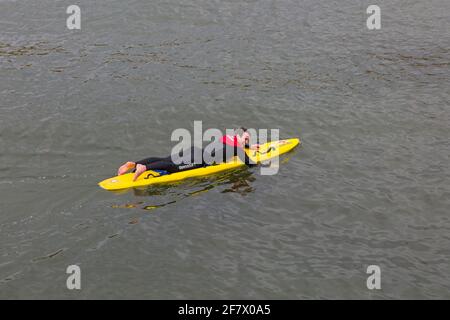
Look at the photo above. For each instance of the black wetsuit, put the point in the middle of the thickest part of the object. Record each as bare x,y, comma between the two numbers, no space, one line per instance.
166,165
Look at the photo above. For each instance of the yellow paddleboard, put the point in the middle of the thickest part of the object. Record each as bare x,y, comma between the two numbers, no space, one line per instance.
266,151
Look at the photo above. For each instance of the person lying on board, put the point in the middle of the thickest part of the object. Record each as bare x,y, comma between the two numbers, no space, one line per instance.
231,146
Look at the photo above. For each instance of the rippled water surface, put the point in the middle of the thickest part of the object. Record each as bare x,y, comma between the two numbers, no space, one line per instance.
369,185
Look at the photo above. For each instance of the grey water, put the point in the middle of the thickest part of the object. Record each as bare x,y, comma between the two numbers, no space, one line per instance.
370,184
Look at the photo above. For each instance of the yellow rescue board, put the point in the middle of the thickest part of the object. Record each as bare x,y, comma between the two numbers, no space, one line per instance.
266,151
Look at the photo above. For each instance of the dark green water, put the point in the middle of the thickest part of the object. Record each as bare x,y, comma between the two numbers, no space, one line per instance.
370,185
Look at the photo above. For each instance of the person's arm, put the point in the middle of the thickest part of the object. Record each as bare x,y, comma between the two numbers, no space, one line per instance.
244,157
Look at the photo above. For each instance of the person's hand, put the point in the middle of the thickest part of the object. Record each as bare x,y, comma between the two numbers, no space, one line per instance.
254,147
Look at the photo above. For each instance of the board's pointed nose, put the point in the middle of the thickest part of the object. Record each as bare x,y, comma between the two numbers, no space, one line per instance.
103,184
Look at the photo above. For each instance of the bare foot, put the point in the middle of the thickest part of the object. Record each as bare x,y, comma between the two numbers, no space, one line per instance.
140,169
125,167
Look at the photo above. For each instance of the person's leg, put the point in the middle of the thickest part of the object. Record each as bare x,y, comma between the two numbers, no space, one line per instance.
164,164
150,160
167,164
133,165
144,165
